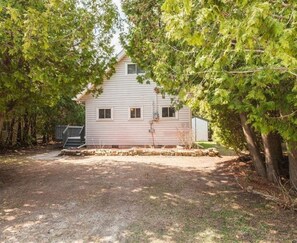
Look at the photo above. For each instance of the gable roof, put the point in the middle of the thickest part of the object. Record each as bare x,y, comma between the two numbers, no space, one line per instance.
89,87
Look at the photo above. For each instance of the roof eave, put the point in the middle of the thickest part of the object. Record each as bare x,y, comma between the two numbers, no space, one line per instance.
80,96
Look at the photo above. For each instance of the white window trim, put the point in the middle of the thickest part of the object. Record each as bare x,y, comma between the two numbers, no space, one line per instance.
126,66
141,113
126,69
104,119
168,118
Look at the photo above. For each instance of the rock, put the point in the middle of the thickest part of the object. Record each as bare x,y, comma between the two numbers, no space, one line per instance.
211,154
216,152
138,151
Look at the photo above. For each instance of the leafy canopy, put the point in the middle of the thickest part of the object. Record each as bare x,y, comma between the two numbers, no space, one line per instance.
247,52
49,47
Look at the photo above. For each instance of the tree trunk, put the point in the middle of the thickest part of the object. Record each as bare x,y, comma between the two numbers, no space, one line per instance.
1,121
26,138
19,132
292,151
273,155
33,129
45,138
10,132
253,147
1,128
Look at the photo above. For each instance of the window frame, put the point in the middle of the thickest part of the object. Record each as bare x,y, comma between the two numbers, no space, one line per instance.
137,118
104,119
168,117
136,65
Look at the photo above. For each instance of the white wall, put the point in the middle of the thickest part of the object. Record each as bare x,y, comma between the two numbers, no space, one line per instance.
199,129
121,92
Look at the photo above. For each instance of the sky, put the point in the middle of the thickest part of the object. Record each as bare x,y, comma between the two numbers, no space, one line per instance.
115,40
118,3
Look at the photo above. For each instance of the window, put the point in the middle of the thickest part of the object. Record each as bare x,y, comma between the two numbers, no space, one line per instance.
135,113
105,114
168,112
133,68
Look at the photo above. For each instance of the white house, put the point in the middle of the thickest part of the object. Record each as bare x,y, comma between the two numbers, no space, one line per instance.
128,113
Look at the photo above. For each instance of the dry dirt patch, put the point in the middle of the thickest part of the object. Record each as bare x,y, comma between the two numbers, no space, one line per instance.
45,198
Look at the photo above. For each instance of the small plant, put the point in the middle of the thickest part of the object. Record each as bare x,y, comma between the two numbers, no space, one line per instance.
185,137
288,197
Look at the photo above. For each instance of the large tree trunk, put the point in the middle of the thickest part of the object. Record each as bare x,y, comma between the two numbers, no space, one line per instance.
273,154
253,146
292,151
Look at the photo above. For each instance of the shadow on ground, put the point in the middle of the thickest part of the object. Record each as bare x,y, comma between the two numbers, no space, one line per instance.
116,201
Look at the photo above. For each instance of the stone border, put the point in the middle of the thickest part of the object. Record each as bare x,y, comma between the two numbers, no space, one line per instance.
141,152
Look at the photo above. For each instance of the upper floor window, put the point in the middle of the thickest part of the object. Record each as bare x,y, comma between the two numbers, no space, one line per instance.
168,112
133,68
135,113
105,113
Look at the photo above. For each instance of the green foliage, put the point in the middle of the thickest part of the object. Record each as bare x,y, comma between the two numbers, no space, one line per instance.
50,50
66,111
227,129
172,64
47,46
247,53
238,54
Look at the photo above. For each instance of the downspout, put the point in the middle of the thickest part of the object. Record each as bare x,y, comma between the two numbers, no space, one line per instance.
152,131
155,119
156,113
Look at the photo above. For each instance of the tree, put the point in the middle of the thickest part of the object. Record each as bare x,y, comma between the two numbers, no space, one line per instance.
167,62
49,50
238,54
250,52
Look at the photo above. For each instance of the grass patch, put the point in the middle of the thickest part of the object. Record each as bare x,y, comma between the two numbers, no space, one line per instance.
222,150
238,226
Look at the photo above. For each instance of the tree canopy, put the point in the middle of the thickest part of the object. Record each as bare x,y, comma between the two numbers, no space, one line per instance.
50,49
227,59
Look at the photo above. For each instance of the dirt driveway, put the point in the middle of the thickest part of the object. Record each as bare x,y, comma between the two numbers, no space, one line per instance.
45,198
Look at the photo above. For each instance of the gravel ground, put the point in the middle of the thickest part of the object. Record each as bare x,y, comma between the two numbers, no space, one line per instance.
46,198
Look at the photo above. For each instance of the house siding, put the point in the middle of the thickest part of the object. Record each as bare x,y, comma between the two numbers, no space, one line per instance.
120,92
